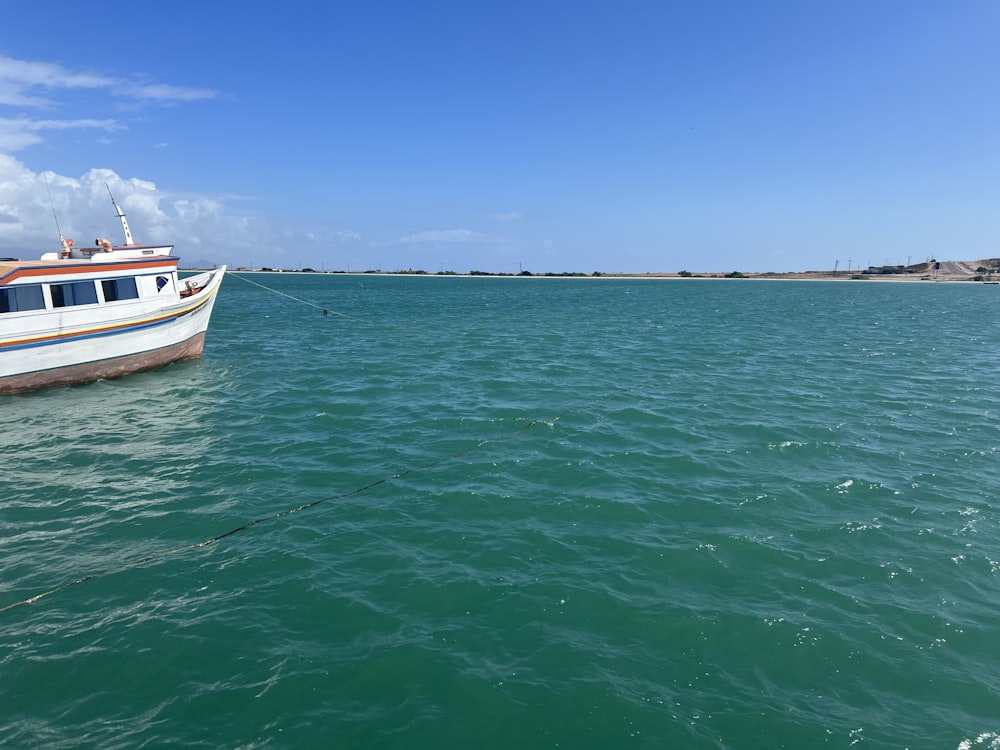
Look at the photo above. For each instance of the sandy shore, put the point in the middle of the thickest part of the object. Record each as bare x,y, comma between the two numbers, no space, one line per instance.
951,270
977,271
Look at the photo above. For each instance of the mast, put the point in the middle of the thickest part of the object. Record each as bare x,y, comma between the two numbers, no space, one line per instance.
51,203
121,217
64,243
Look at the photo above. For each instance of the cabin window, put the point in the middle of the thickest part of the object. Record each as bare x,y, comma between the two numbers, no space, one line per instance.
117,289
18,298
74,293
161,281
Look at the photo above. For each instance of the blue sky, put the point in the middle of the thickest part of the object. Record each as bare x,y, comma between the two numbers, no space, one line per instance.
634,136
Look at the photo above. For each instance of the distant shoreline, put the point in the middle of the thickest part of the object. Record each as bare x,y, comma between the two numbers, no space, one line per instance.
981,271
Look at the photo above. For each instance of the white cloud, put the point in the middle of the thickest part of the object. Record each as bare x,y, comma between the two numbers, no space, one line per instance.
330,237
158,92
31,85
36,207
450,235
20,80
506,216
19,133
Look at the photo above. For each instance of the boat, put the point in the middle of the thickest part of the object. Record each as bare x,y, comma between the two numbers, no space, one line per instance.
92,313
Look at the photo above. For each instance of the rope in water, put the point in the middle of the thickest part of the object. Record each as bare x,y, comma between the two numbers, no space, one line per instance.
280,514
297,299
326,311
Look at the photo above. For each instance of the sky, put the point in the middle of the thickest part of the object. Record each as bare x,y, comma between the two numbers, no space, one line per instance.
631,136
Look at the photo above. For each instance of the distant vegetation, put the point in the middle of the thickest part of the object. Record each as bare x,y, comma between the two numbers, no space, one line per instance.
888,270
986,271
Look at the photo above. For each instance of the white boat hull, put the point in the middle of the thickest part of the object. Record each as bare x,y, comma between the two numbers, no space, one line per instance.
90,313
49,348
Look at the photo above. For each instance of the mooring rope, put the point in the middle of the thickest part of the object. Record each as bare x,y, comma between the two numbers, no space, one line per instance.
306,506
326,311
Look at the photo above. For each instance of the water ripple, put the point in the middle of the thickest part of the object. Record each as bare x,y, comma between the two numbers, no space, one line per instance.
540,513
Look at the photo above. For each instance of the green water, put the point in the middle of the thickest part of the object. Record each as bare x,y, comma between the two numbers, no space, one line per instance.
534,513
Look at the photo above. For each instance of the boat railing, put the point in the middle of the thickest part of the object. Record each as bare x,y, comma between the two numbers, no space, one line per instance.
194,284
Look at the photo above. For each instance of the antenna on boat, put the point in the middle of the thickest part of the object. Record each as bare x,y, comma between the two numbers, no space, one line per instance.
121,217
63,242
52,203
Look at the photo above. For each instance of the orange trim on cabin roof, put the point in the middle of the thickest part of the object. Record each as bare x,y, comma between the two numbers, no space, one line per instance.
23,271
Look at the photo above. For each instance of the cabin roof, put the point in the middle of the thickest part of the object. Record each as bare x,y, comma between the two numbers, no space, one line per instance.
7,266
19,269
